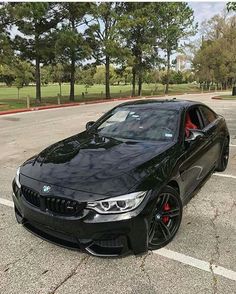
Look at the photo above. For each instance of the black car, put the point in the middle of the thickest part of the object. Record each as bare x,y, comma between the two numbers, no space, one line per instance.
120,185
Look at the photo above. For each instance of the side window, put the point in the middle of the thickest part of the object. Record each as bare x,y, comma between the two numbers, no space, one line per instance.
195,118
192,120
208,116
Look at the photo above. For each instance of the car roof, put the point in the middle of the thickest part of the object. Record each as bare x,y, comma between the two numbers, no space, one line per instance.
162,103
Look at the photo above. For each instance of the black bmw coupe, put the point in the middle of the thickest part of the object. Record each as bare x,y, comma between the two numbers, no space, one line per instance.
120,185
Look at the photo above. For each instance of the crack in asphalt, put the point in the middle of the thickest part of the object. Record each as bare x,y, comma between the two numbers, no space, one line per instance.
70,275
10,264
215,255
142,266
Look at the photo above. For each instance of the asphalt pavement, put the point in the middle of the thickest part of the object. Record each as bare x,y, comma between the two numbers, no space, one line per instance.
200,259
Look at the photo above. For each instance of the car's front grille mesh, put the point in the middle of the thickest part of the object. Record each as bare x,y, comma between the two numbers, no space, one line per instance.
62,206
57,205
31,196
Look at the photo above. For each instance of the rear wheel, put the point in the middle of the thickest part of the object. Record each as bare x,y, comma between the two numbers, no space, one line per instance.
166,218
224,158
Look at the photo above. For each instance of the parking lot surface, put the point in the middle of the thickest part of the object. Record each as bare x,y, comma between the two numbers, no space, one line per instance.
200,259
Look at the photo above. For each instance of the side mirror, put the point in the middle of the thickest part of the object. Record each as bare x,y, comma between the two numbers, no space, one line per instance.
89,125
194,135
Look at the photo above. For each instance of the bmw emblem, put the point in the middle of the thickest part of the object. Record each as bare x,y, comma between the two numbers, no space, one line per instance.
46,189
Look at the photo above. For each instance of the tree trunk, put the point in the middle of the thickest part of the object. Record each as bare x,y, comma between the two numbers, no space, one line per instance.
133,81
38,80
72,65
60,88
168,73
72,78
140,81
107,77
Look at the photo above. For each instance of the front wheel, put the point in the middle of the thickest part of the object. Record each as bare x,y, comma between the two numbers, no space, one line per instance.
166,218
224,158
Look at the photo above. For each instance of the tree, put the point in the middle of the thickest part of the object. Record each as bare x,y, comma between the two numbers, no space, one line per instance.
58,74
85,76
35,22
177,77
175,24
127,74
46,75
6,45
140,38
7,74
23,74
231,6
99,76
210,66
103,36
70,46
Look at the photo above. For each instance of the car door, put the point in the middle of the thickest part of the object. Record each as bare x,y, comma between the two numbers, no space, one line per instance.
210,122
195,164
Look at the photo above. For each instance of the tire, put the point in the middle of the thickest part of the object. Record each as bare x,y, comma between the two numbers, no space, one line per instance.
166,218
224,157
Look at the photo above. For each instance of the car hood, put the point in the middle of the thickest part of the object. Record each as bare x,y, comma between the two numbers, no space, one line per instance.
92,163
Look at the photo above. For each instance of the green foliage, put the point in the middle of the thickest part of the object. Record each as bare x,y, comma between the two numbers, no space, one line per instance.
99,76
46,75
177,77
20,73
215,61
86,76
231,6
24,73
139,36
103,36
176,23
71,47
35,22
7,74
110,43
58,74
6,48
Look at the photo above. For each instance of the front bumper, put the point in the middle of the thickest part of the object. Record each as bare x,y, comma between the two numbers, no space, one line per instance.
100,235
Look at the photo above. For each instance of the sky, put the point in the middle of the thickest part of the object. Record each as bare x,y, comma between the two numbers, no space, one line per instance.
206,10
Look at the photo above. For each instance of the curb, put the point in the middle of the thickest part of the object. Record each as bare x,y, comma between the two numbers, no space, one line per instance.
66,105
37,108
216,98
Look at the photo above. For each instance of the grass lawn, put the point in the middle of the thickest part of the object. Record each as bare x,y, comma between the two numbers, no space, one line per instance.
227,97
9,95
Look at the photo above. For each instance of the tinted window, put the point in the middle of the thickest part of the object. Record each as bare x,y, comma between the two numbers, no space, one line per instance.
207,115
140,123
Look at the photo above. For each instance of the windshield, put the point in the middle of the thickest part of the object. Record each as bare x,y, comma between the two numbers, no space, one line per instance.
140,123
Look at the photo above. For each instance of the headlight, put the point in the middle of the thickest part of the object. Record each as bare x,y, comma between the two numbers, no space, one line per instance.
17,178
118,204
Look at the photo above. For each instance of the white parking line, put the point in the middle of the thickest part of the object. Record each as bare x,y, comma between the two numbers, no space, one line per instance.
185,259
6,202
224,176
197,263
232,145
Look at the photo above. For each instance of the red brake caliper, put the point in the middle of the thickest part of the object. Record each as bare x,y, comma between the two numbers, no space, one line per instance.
166,207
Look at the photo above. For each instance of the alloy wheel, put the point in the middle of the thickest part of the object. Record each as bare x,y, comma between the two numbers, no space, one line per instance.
166,220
